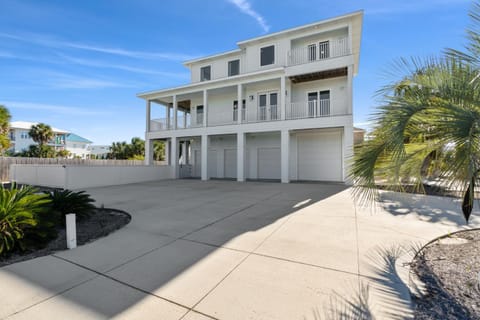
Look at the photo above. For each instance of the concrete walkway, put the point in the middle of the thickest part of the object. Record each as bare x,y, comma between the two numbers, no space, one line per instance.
226,250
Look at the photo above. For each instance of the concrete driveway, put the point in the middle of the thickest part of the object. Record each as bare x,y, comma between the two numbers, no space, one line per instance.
228,250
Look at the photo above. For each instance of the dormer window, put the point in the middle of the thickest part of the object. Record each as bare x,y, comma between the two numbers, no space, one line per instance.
267,55
205,73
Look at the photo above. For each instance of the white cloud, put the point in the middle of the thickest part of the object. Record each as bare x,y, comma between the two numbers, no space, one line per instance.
246,7
58,109
49,41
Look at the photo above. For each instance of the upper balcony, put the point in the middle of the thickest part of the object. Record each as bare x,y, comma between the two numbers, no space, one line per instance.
320,51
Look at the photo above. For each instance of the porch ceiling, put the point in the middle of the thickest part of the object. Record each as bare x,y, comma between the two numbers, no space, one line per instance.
340,72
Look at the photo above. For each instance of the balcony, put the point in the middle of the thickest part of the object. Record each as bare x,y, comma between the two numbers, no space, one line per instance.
322,108
319,52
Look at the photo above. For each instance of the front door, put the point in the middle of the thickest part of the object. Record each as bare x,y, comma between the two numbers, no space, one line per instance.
268,108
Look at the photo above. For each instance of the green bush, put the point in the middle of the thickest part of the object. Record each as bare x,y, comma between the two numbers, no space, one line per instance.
20,211
67,201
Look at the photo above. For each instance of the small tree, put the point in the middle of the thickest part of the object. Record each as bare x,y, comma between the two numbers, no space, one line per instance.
41,133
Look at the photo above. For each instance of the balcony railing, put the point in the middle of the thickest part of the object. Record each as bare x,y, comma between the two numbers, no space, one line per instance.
317,52
308,109
293,111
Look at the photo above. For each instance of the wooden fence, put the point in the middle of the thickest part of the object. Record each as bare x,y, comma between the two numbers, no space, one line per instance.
5,163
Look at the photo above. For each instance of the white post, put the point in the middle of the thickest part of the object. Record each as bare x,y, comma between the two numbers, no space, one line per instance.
168,116
350,89
204,155
205,107
174,156
148,116
148,152
239,104
184,119
282,98
71,231
285,154
241,156
175,113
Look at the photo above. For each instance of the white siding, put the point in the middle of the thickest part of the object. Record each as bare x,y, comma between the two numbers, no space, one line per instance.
230,163
269,166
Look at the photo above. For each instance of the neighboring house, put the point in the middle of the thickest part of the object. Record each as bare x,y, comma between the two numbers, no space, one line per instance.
99,151
358,135
278,107
20,140
78,146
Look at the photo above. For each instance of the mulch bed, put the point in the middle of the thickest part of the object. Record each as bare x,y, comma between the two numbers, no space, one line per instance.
101,223
450,270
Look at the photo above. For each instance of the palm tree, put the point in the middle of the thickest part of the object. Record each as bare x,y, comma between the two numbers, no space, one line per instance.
4,129
41,134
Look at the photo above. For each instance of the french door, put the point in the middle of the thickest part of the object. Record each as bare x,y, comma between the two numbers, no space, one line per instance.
268,108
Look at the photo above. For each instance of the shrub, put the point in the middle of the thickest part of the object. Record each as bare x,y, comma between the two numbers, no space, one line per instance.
20,211
67,201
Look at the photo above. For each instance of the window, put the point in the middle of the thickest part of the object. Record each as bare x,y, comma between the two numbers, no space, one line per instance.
199,114
319,103
205,73
324,50
235,110
312,52
233,67
267,55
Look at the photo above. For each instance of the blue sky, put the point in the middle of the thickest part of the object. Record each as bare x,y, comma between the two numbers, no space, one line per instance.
78,65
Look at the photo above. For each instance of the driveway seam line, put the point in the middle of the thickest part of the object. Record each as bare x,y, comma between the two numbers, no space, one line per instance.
125,284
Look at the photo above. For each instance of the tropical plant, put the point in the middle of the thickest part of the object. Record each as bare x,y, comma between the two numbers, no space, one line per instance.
20,209
4,129
132,151
158,150
67,201
39,151
41,133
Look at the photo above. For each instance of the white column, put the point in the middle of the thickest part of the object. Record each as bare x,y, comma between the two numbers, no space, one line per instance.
350,89
347,143
240,104
175,113
285,154
174,156
148,152
205,107
167,152
148,116
168,116
204,154
184,119
282,98
241,156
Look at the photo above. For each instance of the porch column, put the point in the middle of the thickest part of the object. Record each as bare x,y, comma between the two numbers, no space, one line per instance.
175,113
285,154
167,152
350,89
204,154
239,104
241,156
288,98
205,108
174,156
148,116
185,119
168,116
282,98
148,152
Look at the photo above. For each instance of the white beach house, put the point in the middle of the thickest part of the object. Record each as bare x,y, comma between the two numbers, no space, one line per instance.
278,107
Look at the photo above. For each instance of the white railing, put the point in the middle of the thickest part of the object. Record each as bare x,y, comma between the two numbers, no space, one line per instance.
308,109
320,51
220,118
264,113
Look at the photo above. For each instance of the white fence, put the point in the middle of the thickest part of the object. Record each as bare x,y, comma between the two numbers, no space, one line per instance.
79,177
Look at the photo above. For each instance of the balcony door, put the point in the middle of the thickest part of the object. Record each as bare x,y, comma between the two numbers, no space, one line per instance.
268,106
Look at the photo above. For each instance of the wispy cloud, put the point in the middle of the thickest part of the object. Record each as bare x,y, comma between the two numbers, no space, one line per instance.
246,7
49,41
66,81
388,7
58,109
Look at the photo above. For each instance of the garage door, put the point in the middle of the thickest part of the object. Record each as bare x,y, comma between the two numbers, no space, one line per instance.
212,164
269,163
230,159
320,156
197,167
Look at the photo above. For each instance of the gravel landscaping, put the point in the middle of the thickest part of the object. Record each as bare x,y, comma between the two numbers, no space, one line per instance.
102,222
450,270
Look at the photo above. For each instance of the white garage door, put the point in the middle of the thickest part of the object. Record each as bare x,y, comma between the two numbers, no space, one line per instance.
212,164
230,163
320,156
269,163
